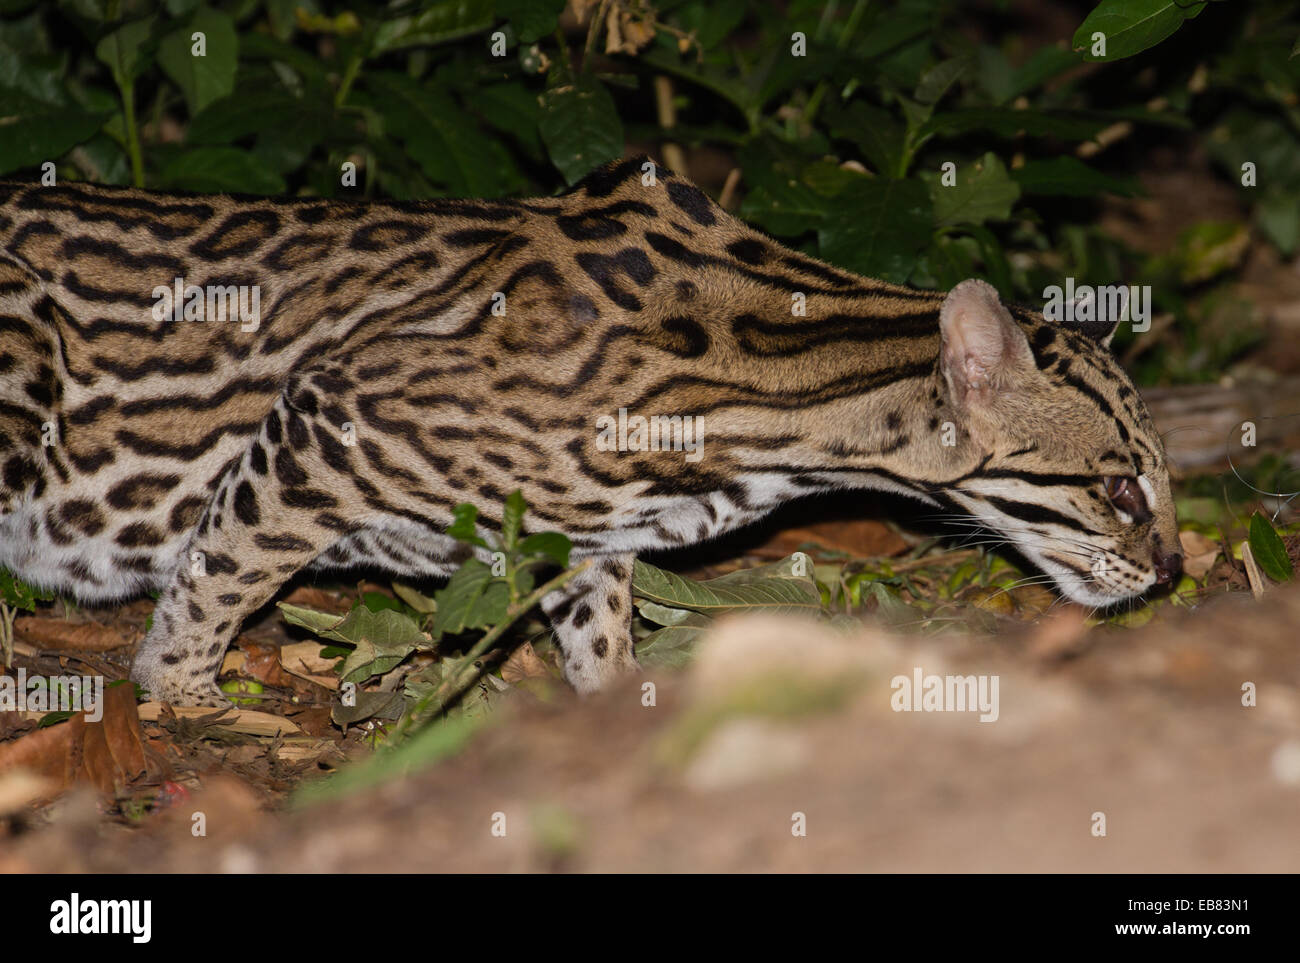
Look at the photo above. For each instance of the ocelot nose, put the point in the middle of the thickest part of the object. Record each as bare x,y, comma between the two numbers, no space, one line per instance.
1168,566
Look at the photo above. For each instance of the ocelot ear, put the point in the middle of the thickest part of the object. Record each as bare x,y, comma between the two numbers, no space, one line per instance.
982,350
1096,317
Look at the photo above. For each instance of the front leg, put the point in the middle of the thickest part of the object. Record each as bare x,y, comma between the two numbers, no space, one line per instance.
592,618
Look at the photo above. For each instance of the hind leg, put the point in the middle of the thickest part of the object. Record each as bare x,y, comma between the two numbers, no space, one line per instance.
592,619
29,386
276,510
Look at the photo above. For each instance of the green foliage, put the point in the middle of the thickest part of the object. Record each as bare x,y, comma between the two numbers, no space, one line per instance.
1269,551
380,633
1131,26
685,608
15,596
841,117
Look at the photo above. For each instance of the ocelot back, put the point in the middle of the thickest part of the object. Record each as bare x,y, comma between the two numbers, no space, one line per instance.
411,356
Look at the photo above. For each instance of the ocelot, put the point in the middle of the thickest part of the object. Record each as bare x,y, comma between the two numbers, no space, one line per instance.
401,358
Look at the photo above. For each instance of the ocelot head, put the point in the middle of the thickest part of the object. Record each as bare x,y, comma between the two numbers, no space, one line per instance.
1074,473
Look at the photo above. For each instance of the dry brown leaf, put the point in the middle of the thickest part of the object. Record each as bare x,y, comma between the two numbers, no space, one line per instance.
262,662
233,661
322,601
108,754
121,726
43,752
313,720
1254,574
303,659
1033,600
1199,553
61,634
990,598
860,538
524,663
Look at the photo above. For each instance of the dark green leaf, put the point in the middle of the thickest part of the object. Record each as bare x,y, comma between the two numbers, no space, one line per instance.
102,159
379,602
893,33
784,216
247,112
1043,65
1068,176
874,130
947,262
1131,26
221,169
368,705
512,519
768,591
207,78
32,132
532,19
673,646
445,141
512,109
553,545
125,50
1269,551
982,192
879,228
996,267
1012,123
1279,218
264,47
473,599
439,23
464,523
936,81
580,127
379,639
722,81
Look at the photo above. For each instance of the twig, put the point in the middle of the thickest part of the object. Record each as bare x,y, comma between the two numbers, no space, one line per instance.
673,155
728,195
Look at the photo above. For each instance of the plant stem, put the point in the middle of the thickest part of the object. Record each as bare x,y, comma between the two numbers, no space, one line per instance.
512,615
349,77
7,616
465,675
127,91
593,28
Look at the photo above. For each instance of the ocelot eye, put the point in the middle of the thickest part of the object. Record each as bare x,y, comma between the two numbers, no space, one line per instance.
1126,495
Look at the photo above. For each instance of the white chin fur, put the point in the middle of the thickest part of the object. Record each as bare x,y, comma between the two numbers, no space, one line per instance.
1081,589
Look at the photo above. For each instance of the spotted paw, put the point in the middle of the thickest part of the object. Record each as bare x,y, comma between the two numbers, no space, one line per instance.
183,692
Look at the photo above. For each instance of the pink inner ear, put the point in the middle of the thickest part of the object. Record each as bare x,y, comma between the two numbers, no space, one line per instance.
981,342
